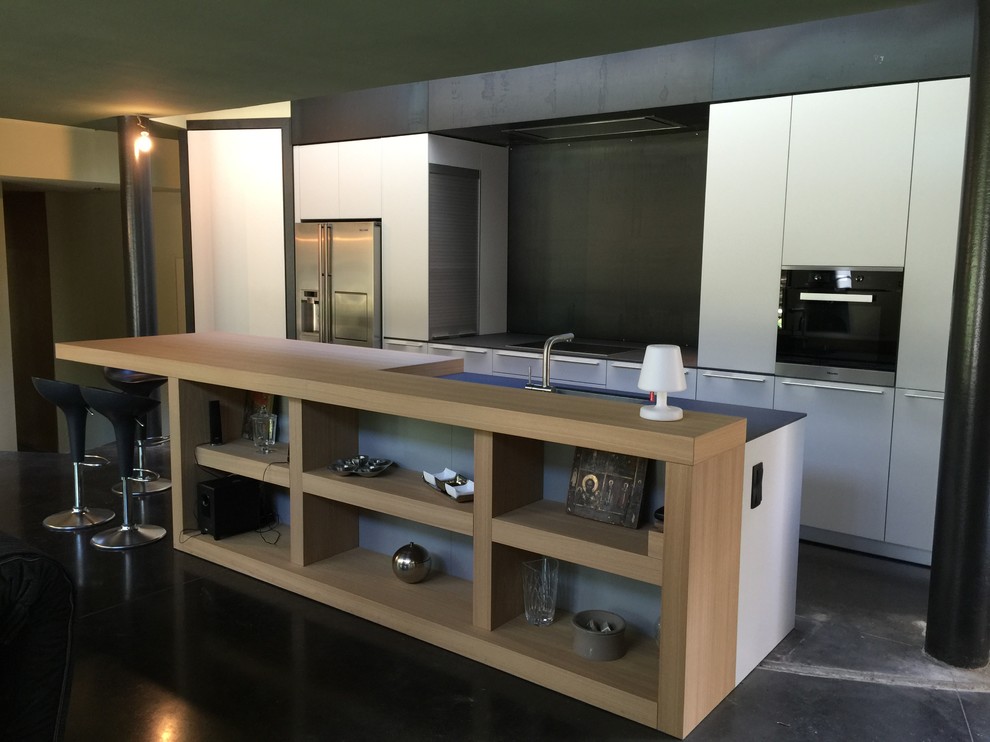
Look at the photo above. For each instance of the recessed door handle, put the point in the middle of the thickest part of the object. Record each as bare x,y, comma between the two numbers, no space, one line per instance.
736,377
865,390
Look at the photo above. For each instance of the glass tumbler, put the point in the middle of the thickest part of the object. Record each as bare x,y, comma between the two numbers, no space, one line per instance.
264,426
540,590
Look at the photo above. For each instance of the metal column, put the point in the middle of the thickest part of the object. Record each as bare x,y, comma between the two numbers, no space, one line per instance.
139,251
139,246
959,596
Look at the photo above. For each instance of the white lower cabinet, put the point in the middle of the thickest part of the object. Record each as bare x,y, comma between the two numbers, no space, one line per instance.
846,455
577,370
406,346
914,459
731,387
517,363
563,369
476,360
623,376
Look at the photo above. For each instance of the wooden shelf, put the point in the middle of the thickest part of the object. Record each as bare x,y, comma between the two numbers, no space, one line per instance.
627,686
398,492
439,609
358,581
545,527
241,457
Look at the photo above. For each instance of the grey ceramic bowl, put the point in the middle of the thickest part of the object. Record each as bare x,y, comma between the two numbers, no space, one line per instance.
599,635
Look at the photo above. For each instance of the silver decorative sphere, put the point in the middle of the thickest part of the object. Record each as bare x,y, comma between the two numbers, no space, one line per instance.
411,563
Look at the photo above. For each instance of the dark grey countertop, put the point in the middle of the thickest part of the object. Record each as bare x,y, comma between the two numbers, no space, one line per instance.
759,421
507,341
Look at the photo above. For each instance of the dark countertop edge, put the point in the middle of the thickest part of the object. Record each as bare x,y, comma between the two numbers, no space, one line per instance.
759,421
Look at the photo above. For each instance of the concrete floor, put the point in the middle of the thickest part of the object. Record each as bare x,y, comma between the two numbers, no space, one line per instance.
169,647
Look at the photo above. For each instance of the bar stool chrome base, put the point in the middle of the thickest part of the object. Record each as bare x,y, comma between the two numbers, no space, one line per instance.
77,520
123,411
144,482
80,516
127,537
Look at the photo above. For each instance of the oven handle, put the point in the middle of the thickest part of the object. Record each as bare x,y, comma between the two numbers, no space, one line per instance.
866,390
848,298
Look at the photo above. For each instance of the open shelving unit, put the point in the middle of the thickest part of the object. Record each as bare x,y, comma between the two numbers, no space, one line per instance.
670,687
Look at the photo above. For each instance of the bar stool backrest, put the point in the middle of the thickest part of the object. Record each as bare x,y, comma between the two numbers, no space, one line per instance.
68,398
123,411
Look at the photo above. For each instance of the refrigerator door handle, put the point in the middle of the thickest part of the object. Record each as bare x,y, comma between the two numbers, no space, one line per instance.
326,236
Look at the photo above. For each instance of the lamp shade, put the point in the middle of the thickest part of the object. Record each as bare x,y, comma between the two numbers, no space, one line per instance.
663,369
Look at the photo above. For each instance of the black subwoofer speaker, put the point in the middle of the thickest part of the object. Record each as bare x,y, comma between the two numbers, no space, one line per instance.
229,505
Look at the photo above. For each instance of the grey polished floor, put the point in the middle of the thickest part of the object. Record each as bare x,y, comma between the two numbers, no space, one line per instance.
169,647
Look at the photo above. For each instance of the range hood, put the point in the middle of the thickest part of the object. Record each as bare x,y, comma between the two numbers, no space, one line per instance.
600,128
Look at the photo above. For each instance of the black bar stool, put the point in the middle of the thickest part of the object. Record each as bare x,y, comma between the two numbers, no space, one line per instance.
69,399
144,481
123,411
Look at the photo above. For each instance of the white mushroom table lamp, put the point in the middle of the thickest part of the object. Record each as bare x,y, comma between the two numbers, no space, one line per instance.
662,372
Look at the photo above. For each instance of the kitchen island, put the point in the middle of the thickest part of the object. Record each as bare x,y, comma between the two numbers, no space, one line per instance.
694,561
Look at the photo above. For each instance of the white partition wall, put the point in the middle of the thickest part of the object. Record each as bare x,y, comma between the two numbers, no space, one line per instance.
237,228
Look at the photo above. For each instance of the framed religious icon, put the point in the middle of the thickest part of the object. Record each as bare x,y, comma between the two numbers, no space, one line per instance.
607,487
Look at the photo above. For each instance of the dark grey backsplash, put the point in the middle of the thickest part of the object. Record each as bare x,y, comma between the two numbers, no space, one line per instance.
605,238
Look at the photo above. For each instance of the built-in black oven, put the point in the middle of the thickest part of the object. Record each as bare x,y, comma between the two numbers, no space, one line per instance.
839,324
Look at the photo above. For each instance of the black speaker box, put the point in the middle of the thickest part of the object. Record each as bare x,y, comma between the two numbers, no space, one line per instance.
229,505
216,428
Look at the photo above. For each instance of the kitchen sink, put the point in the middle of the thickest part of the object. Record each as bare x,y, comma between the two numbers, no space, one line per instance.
587,349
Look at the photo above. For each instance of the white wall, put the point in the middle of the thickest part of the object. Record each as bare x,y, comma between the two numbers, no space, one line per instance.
236,216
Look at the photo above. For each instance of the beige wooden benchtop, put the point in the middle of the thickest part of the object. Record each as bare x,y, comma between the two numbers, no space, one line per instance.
399,383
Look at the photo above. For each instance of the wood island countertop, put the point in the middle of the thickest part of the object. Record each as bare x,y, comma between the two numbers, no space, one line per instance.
399,383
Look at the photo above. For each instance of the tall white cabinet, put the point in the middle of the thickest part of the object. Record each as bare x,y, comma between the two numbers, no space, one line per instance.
932,241
236,221
745,189
405,230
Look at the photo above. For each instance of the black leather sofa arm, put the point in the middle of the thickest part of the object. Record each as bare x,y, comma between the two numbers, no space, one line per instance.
37,605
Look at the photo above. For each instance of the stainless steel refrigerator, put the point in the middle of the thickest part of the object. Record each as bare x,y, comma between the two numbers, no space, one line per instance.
338,282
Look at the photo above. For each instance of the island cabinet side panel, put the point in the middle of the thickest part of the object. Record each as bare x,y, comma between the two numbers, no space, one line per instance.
189,418
508,475
319,434
700,599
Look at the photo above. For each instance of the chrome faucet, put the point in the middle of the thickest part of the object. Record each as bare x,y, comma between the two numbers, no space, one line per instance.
545,385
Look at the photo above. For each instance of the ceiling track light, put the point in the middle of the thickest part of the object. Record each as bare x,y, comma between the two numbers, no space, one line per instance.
142,143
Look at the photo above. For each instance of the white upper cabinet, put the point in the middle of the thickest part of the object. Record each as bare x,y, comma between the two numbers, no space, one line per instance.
316,170
338,180
849,177
744,226
933,233
360,179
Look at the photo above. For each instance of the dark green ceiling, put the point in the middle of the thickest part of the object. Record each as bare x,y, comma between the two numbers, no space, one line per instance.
78,62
